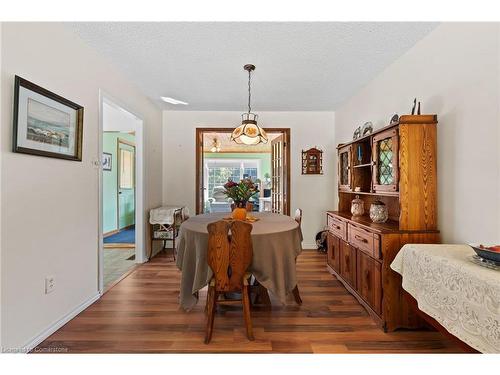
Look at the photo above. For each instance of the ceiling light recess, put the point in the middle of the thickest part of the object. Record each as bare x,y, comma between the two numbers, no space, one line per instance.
173,101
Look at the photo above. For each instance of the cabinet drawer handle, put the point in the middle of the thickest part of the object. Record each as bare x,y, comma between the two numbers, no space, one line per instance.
359,238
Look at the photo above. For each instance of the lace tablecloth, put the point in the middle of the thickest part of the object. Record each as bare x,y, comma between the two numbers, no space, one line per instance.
276,245
462,296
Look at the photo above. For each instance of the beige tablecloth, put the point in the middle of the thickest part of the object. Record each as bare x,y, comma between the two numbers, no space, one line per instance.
462,296
276,244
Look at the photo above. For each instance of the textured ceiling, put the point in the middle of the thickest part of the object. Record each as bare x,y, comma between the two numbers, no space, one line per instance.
300,66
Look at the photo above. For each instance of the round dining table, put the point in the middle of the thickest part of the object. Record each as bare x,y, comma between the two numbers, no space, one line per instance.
276,243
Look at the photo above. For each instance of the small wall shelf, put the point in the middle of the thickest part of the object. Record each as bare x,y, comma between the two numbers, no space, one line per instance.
312,161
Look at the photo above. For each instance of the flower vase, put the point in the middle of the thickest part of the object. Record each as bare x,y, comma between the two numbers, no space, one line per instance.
240,212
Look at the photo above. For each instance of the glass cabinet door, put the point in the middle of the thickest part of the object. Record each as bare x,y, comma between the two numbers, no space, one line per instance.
345,168
385,161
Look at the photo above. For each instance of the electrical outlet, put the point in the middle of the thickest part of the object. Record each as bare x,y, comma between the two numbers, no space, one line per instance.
50,284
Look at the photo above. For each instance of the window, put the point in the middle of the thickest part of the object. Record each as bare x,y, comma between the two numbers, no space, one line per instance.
219,175
251,173
219,171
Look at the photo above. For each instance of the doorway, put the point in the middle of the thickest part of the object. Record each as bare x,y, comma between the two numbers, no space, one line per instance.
126,184
219,159
121,229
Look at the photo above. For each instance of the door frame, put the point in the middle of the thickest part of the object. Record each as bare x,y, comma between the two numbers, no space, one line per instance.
131,144
199,162
140,197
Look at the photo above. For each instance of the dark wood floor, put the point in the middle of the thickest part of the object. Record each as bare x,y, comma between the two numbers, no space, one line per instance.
141,314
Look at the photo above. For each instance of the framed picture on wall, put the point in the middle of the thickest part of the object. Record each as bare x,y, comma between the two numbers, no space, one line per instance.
107,159
45,123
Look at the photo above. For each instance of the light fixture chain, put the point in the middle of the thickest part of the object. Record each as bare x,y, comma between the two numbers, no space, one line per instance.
249,90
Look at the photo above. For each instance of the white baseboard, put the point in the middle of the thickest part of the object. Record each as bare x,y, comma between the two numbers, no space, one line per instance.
309,245
55,326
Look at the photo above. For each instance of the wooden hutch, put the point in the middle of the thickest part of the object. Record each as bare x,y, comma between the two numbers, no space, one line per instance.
395,165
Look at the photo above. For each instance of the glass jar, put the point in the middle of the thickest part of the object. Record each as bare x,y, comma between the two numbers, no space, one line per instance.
357,207
378,212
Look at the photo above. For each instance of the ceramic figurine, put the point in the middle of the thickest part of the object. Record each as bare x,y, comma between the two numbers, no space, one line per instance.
360,154
414,105
394,119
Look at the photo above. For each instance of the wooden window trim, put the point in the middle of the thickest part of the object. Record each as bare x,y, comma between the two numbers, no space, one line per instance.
199,161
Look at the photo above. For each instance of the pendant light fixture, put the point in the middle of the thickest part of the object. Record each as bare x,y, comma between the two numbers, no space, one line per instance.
249,133
215,145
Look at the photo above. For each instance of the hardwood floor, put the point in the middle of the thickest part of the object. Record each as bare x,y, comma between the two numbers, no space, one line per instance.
141,315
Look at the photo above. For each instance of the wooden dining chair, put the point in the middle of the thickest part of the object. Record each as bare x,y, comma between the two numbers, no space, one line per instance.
298,218
229,258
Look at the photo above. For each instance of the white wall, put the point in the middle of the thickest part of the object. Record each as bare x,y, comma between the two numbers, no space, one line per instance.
314,194
49,219
454,72
1,208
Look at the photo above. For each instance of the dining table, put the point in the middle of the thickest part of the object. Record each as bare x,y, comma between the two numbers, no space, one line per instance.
276,241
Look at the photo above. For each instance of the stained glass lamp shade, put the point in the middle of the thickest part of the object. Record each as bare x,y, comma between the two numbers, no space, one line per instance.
249,133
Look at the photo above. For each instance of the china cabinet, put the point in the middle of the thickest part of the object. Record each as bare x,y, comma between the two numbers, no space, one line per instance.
393,167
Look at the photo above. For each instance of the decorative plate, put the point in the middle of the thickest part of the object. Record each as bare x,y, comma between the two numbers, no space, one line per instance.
367,128
484,262
485,253
357,133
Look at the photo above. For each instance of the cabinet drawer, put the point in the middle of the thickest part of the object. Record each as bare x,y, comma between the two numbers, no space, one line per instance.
369,281
337,227
348,263
364,240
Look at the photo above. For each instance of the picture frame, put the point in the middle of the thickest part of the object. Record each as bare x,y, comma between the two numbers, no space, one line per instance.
46,124
107,161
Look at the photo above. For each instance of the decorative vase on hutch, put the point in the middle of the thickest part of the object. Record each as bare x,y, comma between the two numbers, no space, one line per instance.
378,212
357,207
